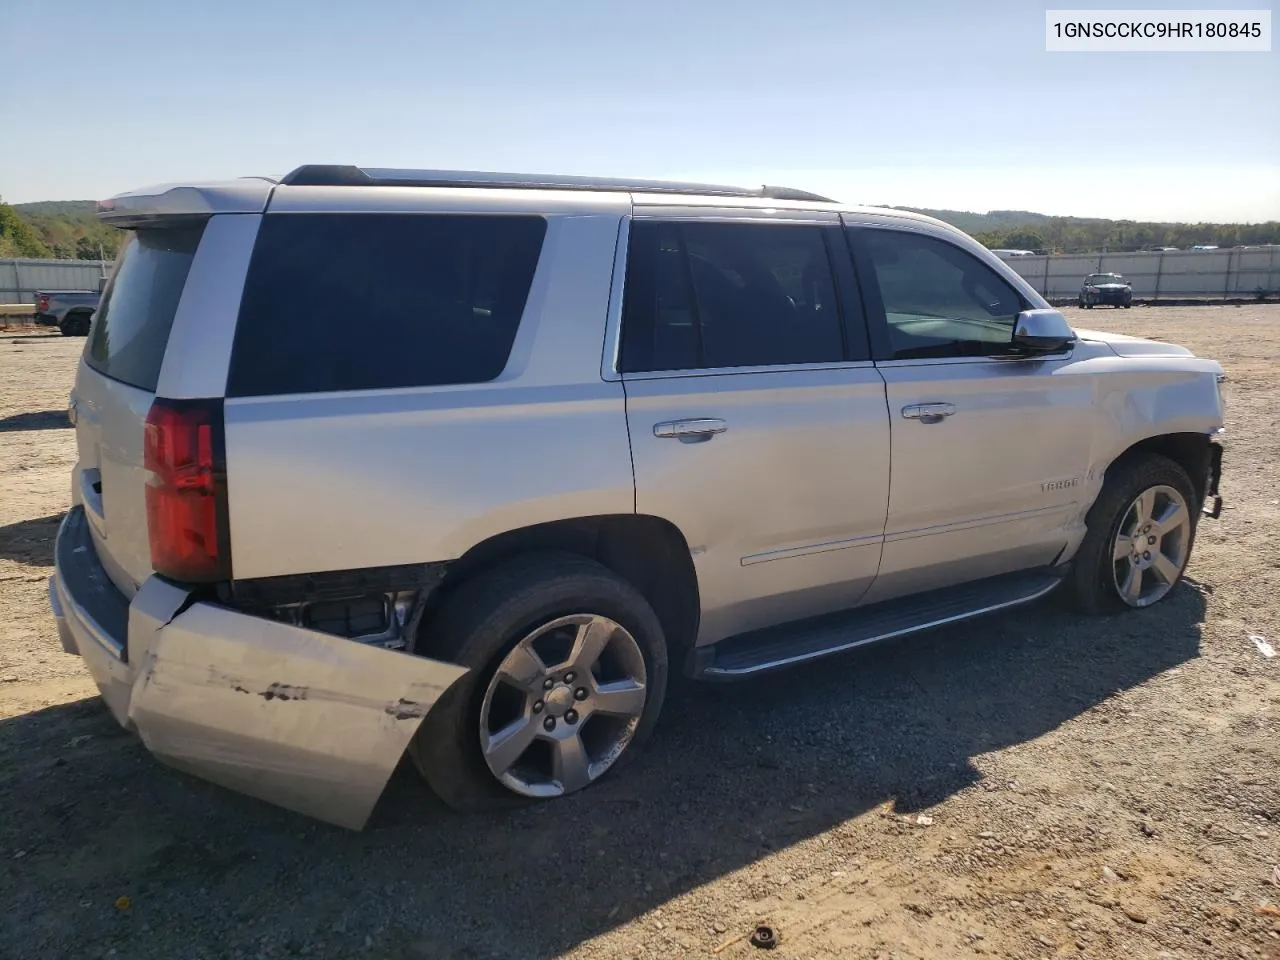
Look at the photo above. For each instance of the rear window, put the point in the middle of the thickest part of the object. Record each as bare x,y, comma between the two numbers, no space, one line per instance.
131,326
376,301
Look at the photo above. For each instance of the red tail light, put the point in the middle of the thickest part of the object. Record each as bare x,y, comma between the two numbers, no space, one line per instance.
186,491
43,305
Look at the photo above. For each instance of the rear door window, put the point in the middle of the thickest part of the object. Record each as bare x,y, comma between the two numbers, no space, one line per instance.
337,302
713,295
131,326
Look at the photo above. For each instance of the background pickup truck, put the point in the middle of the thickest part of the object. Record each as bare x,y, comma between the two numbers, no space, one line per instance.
68,310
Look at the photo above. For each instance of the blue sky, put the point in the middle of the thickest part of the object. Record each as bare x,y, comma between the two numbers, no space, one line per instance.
915,103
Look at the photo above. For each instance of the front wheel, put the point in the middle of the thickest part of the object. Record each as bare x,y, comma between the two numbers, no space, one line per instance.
1140,532
568,674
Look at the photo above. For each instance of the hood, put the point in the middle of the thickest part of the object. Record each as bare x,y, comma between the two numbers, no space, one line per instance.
1134,346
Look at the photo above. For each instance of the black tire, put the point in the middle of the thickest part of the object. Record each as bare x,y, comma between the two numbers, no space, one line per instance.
1091,588
480,623
75,325
1127,306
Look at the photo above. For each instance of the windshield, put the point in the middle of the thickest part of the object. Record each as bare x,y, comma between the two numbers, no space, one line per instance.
1097,279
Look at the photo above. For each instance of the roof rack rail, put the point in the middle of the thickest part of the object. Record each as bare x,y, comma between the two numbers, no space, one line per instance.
338,175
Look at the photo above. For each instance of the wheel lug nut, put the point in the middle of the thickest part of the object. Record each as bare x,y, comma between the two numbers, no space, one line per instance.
537,706
549,724
1146,556
1151,540
571,716
568,677
548,683
580,693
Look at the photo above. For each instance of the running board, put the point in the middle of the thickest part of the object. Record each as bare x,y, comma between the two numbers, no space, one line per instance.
793,643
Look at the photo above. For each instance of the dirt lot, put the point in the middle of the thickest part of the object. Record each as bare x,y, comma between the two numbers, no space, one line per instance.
1028,786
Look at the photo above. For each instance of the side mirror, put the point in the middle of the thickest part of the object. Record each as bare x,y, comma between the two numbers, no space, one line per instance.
1042,331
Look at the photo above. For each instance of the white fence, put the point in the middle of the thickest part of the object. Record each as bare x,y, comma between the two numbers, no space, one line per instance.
20,279
1172,275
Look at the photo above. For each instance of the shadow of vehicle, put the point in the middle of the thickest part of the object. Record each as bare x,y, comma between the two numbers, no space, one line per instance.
735,771
31,541
35,420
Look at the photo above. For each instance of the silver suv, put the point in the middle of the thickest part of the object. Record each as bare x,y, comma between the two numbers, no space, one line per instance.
464,465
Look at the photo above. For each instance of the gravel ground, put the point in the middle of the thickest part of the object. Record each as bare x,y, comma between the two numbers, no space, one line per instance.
1032,785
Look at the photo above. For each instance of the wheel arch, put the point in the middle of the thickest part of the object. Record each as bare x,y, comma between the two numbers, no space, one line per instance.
647,551
1189,450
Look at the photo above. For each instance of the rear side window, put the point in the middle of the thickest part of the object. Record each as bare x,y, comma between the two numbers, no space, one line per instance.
376,301
131,326
708,295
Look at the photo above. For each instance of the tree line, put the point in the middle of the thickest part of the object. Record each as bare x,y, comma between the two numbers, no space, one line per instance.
67,230
1064,235
17,237
70,230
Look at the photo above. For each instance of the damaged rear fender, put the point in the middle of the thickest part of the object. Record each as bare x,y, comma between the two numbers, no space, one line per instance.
306,720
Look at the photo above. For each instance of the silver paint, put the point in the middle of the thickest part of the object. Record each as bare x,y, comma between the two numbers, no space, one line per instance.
779,478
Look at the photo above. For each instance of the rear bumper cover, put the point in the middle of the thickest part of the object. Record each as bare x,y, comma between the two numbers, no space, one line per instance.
302,719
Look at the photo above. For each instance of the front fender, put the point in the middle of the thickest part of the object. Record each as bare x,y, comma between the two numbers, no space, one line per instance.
1147,398
1140,398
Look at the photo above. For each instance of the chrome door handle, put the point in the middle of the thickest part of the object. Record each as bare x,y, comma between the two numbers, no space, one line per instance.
690,431
928,412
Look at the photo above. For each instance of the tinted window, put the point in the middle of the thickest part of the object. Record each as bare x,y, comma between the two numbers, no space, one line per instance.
703,295
131,326
376,301
939,300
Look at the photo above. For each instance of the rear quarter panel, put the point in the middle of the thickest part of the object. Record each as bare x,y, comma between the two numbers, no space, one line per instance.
370,478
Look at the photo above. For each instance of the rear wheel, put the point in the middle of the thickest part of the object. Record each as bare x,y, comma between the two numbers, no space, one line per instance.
75,325
568,674
1140,533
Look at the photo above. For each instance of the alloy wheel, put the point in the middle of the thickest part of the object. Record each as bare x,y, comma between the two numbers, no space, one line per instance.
563,705
1151,546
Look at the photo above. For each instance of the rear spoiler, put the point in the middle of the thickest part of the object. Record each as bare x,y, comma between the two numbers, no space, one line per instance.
174,200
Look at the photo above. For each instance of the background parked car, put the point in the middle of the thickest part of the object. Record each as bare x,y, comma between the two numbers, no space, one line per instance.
68,310
1106,288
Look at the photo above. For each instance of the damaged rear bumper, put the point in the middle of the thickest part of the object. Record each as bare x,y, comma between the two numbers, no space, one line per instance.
299,718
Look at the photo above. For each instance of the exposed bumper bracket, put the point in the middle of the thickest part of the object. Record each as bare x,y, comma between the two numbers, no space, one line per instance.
1212,506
